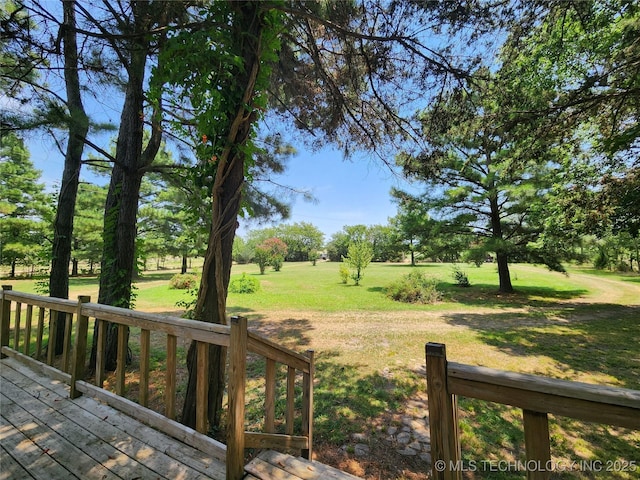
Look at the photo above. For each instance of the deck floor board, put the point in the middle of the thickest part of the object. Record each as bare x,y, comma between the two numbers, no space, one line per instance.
45,434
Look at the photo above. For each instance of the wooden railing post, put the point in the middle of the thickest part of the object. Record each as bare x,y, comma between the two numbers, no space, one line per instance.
80,347
307,405
270,396
443,421
145,348
101,344
537,444
5,319
121,360
202,386
237,383
170,383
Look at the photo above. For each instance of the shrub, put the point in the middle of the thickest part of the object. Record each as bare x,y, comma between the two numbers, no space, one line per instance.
344,273
183,281
415,287
244,284
460,277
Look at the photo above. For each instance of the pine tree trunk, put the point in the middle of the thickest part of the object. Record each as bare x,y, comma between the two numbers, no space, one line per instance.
503,272
121,207
78,128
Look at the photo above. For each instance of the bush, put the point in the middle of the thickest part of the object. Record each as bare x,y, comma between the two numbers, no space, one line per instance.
344,273
244,284
183,281
415,287
460,277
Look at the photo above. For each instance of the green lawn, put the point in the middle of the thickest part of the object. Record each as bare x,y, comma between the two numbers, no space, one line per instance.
583,326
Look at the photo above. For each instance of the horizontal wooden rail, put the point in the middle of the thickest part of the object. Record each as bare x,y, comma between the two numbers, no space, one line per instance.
269,349
537,396
582,401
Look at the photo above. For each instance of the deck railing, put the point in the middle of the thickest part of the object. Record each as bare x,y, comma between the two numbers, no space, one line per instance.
71,367
537,396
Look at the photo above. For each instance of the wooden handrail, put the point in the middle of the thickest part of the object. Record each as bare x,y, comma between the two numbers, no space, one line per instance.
537,396
235,336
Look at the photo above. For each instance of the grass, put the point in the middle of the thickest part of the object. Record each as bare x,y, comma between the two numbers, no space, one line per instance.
583,326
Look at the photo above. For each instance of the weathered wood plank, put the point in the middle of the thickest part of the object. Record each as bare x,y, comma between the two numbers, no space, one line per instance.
53,303
540,384
270,396
10,469
445,443
537,444
57,445
237,384
274,440
169,459
29,455
590,411
145,349
269,349
288,467
170,378
188,329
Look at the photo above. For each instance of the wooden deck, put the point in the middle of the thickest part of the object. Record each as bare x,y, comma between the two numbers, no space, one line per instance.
44,434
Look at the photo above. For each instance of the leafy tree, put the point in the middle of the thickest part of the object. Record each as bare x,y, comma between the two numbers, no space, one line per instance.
338,246
328,67
588,53
412,223
242,251
24,207
262,257
385,243
493,173
277,251
303,240
358,258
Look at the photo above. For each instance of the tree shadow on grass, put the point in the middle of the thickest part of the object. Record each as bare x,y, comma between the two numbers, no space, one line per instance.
291,333
599,341
487,295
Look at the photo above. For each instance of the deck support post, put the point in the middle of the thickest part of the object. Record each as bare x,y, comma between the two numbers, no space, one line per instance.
443,417
80,348
5,320
237,381
537,445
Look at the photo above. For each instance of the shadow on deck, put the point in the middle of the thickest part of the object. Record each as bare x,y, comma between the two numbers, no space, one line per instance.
44,434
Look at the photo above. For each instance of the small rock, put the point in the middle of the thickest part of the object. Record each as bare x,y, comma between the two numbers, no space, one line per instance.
359,437
361,450
415,446
425,457
408,452
404,438
392,430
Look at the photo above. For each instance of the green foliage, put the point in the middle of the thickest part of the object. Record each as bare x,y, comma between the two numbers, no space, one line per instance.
414,287
244,284
270,252
358,257
460,277
183,281
261,257
344,273
25,209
